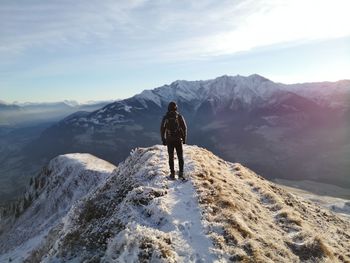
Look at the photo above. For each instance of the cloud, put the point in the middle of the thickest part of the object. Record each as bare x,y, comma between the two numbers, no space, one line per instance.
253,24
52,24
165,30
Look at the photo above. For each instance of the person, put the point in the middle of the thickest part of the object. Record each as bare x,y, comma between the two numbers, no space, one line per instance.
173,132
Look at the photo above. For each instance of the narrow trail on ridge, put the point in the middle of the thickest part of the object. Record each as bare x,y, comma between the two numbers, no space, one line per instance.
185,216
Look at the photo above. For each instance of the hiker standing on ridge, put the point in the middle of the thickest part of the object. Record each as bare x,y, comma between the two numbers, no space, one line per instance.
173,131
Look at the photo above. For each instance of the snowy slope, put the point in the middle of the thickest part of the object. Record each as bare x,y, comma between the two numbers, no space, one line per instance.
49,197
224,212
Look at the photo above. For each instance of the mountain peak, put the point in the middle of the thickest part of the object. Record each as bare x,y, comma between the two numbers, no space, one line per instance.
241,77
258,77
224,212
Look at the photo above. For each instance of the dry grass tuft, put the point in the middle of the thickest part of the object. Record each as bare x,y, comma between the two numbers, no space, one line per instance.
326,250
288,217
226,204
235,225
314,250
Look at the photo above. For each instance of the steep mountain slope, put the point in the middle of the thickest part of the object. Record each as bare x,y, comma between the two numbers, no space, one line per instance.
49,197
268,126
224,212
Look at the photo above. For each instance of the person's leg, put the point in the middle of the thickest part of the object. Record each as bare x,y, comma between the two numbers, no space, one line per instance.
179,152
171,158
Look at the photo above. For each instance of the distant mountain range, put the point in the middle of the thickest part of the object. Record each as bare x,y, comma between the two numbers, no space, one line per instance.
29,113
299,131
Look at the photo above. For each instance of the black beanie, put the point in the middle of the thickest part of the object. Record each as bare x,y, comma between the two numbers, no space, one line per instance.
172,106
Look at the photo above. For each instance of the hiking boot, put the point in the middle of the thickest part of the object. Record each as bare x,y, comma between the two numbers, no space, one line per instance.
181,175
172,176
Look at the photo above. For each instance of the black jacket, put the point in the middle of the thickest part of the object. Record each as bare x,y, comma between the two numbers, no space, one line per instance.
182,123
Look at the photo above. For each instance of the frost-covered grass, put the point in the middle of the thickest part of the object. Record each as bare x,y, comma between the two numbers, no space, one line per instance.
223,213
253,220
138,215
65,180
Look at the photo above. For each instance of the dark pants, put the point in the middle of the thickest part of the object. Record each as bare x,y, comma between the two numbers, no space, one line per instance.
175,144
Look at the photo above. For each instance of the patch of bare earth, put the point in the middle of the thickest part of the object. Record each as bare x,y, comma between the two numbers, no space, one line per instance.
252,220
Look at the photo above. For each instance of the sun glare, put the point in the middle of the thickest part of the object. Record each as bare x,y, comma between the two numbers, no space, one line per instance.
280,22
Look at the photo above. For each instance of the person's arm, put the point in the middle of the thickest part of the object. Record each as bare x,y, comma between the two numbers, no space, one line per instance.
183,128
162,130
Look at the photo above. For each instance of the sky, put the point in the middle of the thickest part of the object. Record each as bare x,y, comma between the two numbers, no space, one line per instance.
112,49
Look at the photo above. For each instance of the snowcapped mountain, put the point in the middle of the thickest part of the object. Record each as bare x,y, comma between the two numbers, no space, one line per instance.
268,126
219,93
223,213
223,89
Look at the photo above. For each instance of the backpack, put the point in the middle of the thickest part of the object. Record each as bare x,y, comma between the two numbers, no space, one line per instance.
173,126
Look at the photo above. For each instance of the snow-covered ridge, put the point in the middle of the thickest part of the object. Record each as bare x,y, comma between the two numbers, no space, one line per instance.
48,198
224,212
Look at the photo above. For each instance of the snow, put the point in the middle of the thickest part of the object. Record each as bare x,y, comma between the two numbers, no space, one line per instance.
185,217
175,215
341,206
228,92
102,110
67,179
127,108
224,88
148,95
94,121
223,212
23,251
86,162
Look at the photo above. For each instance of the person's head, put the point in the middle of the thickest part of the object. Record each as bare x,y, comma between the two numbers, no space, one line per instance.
172,106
